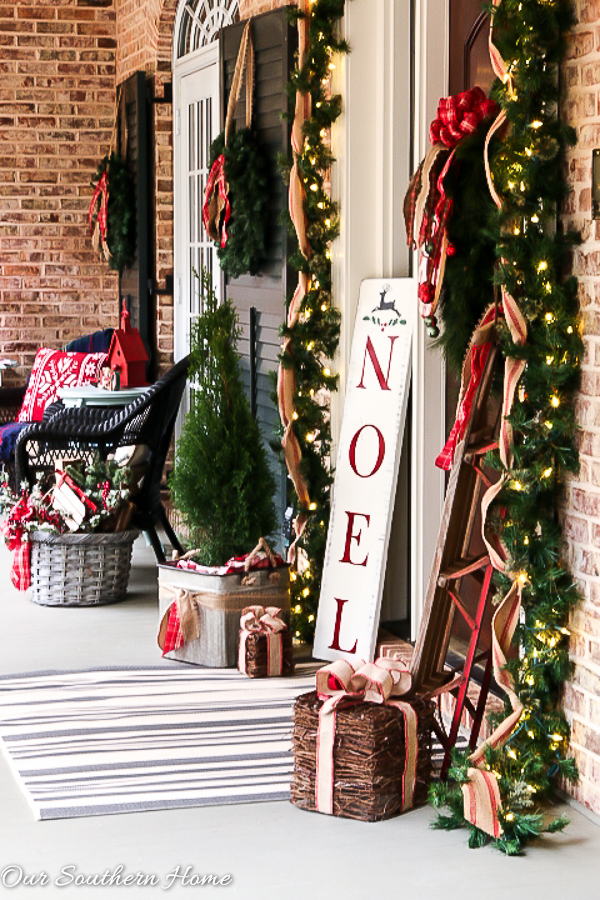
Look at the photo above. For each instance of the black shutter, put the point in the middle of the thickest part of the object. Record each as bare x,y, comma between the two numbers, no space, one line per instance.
261,300
133,145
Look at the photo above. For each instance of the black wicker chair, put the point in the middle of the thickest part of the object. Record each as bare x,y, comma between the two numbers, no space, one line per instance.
11,398
81,433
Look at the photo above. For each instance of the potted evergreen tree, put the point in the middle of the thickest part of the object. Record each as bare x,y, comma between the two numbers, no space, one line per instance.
223,489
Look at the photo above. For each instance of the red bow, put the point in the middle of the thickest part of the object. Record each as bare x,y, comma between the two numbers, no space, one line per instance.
459,116
101,193
216,178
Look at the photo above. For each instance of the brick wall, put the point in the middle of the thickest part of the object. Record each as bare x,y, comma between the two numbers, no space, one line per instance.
57,70
581,77
60,61
256,7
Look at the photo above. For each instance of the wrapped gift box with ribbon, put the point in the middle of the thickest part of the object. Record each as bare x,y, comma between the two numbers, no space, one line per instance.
200,606
265,643
360,749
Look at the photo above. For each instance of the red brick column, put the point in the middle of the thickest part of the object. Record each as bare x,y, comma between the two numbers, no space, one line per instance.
581,510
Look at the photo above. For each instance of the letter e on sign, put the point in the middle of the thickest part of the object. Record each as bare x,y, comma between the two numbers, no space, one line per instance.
366,470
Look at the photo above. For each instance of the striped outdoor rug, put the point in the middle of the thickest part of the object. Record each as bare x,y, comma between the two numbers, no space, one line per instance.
118,740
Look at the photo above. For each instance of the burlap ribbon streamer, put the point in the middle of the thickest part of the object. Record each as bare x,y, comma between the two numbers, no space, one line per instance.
265,621
216,209
481,793
343,684
286,379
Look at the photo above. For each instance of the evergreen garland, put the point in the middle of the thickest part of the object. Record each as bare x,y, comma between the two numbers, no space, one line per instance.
316,335
468,286
528,172
121,217
246,175
221,483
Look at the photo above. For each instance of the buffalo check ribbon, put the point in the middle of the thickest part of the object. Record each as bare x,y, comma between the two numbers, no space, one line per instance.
342,684
179,623
100,196
263,621
216,202
14,529
474,365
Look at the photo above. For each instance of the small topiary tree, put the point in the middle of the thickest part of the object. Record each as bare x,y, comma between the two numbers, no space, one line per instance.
221,484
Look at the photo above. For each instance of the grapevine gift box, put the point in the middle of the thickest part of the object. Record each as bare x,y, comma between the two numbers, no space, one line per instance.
265,643
200,606
360,751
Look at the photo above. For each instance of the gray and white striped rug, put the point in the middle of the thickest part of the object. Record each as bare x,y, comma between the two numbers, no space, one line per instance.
119,740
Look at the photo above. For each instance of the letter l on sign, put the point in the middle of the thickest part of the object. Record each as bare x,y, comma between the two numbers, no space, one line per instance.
367,470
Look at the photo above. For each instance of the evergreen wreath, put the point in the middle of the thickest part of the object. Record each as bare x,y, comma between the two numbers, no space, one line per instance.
468,286
113,223
246,175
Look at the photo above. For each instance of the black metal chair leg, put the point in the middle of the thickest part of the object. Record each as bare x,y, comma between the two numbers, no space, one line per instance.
159,552
172,537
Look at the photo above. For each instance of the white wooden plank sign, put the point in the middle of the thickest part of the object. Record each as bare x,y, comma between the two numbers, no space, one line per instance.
367,470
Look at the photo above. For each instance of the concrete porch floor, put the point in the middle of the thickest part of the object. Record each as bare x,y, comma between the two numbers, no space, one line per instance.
271,850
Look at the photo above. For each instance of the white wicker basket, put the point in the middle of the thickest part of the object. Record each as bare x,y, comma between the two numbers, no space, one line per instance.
80,569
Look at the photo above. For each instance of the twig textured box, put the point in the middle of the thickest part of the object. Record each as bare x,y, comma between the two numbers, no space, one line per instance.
369,757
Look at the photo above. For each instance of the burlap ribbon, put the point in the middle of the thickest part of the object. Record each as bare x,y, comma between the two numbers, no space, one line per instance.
286,379
265,621
343,684
481,793
216,209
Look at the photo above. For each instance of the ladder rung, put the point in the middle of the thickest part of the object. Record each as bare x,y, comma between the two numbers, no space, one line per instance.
462,567
479,449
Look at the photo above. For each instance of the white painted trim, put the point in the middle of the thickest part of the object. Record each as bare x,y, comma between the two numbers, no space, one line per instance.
372,142
195,62
428,413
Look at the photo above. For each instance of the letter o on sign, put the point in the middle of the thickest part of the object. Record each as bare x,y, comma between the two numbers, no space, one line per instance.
380,451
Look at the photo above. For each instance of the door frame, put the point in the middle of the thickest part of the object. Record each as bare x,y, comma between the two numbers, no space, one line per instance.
197,61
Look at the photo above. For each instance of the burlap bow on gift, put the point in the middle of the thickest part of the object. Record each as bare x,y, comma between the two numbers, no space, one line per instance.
343,684
266,621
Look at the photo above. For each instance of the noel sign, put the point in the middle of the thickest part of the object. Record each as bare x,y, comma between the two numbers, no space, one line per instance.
367,471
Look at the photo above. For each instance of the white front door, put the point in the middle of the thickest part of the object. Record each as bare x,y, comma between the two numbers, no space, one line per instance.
196,125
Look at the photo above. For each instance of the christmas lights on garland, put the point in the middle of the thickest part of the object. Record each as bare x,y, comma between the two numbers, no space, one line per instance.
527,171
316,333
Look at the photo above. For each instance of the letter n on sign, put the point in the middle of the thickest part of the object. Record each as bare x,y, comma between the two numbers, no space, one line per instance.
367,470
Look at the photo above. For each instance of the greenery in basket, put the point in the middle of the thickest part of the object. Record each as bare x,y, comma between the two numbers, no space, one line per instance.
221,485
105,485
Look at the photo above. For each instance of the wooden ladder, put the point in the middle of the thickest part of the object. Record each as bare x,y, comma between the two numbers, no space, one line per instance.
460,590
